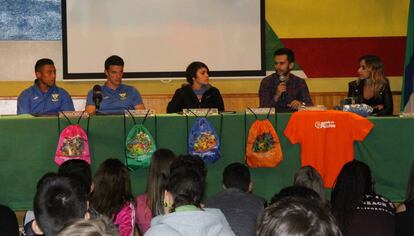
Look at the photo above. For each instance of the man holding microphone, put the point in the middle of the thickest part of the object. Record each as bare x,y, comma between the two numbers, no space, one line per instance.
283,90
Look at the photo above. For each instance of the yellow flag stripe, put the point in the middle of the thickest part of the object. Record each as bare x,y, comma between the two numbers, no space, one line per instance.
337,18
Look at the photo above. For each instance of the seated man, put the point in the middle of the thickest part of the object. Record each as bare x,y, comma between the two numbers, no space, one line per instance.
283,90
115,96
241,208
44,96
58,200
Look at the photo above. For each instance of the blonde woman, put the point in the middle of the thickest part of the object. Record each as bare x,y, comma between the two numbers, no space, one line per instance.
372,87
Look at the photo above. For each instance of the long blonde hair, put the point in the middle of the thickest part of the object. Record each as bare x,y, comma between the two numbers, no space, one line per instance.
377,80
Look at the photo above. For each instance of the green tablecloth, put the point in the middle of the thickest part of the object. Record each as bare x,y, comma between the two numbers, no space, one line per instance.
27,148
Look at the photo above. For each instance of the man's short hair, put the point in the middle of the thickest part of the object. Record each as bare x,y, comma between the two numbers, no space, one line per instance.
285,51
58,200
297,216
297,192
42,62
191,71
101,226
236,175
79,169
113,60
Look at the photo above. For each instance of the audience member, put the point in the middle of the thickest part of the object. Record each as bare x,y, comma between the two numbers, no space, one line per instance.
184,214
113,96
296,191
58,200
297,217
44,96
358,210
101,226
8,222
29,215
283,90
79,169
198,93
241,208
112,195
372,87
150,203
405,212
307,176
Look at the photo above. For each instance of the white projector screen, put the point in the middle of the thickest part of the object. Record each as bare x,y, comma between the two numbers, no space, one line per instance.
159,38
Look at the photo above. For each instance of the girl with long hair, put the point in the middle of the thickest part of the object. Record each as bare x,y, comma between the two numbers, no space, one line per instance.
357,208
150,204
112,195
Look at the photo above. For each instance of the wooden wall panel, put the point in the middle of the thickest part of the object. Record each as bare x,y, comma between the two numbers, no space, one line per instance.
239,102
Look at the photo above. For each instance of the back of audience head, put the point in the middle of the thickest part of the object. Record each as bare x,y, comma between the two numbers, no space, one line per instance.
58,200
112,188
352,184
298,217
159,172
309,177
44,178
296,191
237,175
187,182
96,227
8,222
79,169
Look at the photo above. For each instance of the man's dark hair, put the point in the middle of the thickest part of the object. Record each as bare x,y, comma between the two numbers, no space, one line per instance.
191,71
42,62
79,169
187,180
113,60
296,191
299,217
285,51
236,175
58,200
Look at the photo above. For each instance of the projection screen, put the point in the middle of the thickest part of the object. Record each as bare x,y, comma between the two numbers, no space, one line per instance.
159,38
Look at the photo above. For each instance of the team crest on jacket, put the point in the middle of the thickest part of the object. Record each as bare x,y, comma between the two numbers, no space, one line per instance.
123,96
55,97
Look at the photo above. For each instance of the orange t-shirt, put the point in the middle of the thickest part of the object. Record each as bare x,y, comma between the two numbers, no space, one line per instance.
327,139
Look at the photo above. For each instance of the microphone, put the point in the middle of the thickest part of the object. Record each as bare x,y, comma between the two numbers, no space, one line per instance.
283,79
97,96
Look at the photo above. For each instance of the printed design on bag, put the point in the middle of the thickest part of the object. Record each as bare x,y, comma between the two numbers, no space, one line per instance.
263,142
139,145
72,146
206,141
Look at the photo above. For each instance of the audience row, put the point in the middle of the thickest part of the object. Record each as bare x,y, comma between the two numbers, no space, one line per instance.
71,202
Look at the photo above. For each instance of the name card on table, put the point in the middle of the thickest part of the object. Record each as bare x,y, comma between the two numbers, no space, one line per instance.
407,114
312,108
200,111
141,112
260,111
73,114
